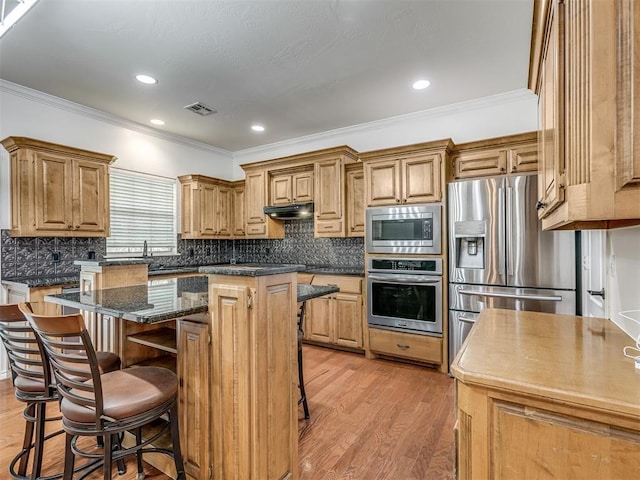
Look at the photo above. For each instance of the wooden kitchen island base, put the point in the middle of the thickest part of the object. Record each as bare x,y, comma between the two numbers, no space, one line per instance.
546,396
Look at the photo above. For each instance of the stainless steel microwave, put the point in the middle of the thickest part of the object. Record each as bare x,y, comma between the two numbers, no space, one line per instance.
404,229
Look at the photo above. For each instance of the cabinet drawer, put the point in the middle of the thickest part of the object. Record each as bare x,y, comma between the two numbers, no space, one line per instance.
256,229
406,345
329,226
344,283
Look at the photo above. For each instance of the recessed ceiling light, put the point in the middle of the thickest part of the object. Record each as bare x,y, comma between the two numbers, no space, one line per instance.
156,121
146,79
421,84
257,128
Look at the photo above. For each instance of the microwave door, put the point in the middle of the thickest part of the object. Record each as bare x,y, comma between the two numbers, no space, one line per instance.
477,231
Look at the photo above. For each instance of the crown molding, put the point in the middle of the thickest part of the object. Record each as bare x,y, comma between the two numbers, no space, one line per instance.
432,113
62,104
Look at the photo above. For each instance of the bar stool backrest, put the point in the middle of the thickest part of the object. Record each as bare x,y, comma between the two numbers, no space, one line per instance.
28,370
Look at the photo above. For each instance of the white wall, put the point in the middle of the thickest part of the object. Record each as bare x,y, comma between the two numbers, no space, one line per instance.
28,113
623,277
495,116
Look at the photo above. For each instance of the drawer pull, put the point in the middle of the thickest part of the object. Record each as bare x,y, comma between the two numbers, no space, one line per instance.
402,346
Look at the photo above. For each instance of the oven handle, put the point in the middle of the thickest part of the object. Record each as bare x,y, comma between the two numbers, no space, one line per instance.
465,319
548,298
394,278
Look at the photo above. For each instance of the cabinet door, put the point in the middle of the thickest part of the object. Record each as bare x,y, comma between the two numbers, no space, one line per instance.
194,400
550,115
421,179
348,320
207,205
319,321
237,212
480,164
355,203
281,192
383,187
303,187
523,159
188,201
222,212
90,197
53,193
255,198
329,199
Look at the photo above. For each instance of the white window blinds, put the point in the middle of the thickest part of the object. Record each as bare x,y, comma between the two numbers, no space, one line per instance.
143,208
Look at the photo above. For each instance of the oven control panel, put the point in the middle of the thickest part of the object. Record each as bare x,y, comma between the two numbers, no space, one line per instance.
408,265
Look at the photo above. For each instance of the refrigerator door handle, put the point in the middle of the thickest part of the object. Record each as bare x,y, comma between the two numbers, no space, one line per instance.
480,293
501,233
509,225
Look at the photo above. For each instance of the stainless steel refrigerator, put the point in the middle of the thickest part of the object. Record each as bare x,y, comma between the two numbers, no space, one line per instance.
500,258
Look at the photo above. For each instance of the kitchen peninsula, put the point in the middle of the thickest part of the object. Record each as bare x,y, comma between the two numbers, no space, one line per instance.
550,394
239,407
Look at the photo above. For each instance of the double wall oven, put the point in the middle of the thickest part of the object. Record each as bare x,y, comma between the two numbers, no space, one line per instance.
404,292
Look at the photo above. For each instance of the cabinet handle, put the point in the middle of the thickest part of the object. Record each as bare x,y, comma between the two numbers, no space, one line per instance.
540,205
70,227
599,293
397,200
402,346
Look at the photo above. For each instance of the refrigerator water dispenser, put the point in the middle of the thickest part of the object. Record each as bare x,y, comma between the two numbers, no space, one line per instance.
470,240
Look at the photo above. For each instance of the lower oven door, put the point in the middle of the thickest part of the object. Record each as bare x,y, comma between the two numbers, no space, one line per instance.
405,302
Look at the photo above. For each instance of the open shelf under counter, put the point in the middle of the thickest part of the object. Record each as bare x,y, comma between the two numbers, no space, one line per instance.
162,338
165,361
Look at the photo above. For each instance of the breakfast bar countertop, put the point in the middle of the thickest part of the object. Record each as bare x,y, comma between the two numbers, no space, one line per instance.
160,300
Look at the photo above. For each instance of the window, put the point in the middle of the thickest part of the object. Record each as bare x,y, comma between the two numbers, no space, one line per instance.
143,208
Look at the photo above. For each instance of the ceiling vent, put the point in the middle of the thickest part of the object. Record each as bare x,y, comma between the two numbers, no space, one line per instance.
201,109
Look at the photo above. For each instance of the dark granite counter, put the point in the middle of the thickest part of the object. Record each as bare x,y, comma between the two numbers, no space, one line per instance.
159,300
334,270
251,269
44,281
111,262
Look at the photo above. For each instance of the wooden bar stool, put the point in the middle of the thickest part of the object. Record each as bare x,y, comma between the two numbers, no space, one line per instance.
33,384
105,405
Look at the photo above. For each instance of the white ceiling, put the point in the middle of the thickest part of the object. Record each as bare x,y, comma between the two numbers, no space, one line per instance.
297,66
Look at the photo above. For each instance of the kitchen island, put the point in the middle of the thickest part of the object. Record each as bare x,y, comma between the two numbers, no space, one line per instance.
234,346
546,396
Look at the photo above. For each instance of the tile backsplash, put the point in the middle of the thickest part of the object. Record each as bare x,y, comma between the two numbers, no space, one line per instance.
31,256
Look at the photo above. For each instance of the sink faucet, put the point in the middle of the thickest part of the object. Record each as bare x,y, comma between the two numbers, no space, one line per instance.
144,249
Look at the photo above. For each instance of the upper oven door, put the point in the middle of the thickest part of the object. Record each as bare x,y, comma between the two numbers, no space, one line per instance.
407,302
405,229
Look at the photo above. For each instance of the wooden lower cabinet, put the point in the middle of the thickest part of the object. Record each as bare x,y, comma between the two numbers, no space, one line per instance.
410,346
194,339
19,293
506,436
336,319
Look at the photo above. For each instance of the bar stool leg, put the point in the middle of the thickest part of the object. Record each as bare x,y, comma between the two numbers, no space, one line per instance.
175,442
139,454
303,394
29,413
69,458
40,419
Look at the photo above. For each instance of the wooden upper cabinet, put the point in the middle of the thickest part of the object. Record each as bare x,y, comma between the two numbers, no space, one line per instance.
355,200
288,188
584,71
206,207
57,190
238,209
257,224
496,156
406,175
329,203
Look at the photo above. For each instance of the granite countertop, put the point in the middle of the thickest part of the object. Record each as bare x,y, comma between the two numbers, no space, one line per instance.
74,278
251,269
112,261
159,300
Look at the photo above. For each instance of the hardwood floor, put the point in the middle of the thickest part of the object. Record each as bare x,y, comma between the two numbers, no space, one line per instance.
370,420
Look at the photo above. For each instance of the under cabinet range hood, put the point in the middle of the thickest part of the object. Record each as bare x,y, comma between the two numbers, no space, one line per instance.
295,211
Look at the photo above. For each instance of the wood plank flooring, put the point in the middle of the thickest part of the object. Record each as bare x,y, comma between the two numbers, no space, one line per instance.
370,420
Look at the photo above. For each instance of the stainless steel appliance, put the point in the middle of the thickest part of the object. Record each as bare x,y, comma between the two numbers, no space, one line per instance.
499,257
405,294
406,229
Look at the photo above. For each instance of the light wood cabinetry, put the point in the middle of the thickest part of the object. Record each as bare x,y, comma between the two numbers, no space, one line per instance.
546,396
20,293
237,210
257,224
254,382
422,348
496,156
57,190
329,205
194,373
207,204
410,174
336,319
355,200
583,70
288,188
